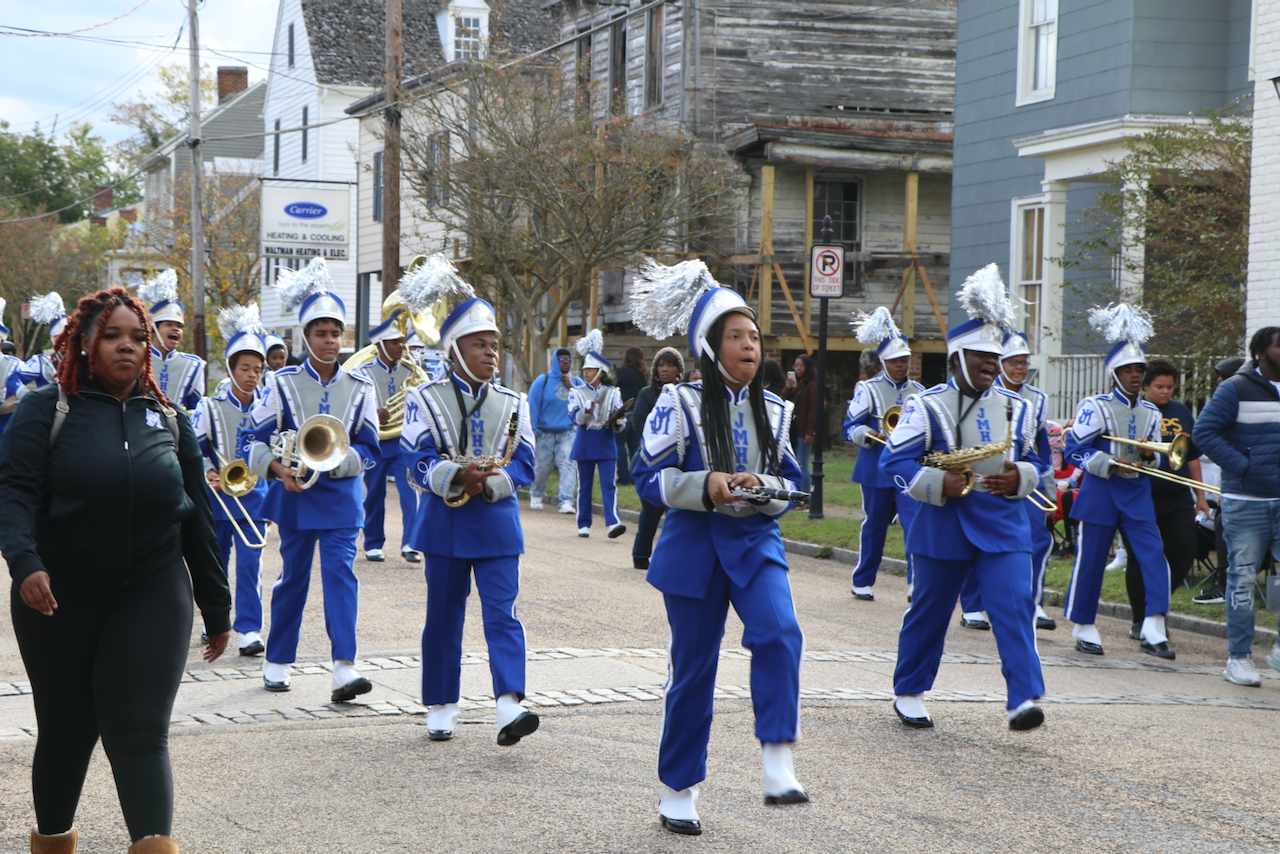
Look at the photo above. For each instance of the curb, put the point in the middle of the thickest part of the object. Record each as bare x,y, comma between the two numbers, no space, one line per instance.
1118,610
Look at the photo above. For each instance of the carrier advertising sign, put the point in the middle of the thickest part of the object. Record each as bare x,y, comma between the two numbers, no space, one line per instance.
303,223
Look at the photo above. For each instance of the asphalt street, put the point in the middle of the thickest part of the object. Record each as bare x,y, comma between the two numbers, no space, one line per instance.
1136,755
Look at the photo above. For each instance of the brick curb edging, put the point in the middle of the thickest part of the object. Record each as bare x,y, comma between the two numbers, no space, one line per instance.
1118,610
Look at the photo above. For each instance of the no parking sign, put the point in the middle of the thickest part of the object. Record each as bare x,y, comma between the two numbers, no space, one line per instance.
826,270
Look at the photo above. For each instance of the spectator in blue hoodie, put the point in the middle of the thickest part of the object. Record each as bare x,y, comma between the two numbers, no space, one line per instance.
553,430
1239,429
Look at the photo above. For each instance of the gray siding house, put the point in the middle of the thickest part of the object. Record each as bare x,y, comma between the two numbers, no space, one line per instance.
1046,94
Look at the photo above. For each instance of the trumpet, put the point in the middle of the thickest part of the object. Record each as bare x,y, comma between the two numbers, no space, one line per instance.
888,422
489,463
237,479
319,445
1176,451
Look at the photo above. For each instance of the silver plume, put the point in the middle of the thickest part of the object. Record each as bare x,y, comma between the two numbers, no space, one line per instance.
433,279
874,327
592,342
235,319
159,288
663,298
294,286
984,296
1121,322
48,308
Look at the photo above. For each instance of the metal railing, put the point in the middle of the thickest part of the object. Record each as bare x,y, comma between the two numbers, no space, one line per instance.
1069,379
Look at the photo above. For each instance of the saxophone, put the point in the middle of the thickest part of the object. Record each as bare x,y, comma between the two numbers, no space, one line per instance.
489,463
961,460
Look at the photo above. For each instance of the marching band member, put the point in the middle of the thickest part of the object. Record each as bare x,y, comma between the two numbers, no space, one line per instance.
277,352
40,369
331,511
10,368
1113,497
219,421
468,522
388,377
1013,375
864,425
982,533
597,411
180,375
703,440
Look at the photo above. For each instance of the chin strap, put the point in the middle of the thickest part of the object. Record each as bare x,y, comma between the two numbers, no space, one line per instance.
964,370
463,364
706,348
312,354
1009,383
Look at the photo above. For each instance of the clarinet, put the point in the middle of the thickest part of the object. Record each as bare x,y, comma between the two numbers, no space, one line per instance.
765,494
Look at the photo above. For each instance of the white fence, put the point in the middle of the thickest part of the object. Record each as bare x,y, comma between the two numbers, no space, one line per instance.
1069,379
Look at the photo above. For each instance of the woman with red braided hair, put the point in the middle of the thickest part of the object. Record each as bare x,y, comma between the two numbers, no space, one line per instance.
100,453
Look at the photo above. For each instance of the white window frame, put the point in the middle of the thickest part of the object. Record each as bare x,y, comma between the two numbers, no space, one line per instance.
1017,281
447,20
1028,35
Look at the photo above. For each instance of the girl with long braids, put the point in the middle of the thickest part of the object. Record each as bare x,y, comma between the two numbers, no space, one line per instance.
702,441
101,454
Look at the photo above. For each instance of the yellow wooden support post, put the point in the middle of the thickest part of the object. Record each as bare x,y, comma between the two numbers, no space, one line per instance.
808,242
766,239
908,244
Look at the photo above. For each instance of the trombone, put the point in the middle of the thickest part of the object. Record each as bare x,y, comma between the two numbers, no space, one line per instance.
236,479
1176,451
319,445
1042,501
888,422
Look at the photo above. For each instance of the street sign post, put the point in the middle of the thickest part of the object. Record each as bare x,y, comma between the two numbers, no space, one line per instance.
826,281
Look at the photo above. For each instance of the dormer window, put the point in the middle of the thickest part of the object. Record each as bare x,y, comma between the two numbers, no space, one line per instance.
464,29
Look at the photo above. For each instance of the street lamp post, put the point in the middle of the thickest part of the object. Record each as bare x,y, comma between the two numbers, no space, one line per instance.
826,274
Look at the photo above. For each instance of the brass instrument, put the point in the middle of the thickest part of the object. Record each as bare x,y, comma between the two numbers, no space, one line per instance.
961,460
319,445
888,422
489,463
1176,451
1042,501
237,479
426,324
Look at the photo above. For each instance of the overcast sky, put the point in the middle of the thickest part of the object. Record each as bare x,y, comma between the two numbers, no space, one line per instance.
77,78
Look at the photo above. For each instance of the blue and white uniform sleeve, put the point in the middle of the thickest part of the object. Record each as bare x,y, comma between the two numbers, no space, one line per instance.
1080,441
518,472
16,383
659,477
365,450
195,389
901,460
418,448
201,423
857,419
615,405
1029,465
579,414
254,443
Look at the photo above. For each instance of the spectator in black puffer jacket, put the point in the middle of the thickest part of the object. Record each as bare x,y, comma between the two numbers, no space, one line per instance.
667,367
96,519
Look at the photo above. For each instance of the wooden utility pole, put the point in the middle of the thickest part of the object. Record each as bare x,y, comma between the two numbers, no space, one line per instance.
391,151
197,189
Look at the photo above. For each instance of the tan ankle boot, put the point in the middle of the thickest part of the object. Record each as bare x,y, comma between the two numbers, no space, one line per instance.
58,843
154,845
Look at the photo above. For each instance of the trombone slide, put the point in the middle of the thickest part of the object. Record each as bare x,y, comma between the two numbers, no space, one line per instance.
235,479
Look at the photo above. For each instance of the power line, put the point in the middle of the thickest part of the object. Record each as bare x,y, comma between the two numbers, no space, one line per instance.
74,204
24,32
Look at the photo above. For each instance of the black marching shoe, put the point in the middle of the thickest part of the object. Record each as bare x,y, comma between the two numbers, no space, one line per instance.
351,690
254,648
1159,650
792,796
863,597
411,556
523,725
439,734
914,723
1029,718
275,687
981,625
1047,624
1135,632
686,827
1088,647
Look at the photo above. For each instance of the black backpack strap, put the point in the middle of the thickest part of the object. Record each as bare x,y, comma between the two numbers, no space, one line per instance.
59,416
171,421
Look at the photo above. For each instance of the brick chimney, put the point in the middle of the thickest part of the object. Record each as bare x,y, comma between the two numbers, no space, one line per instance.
103,198
231,79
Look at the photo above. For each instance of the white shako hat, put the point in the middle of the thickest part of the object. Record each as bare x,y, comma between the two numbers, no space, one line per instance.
50,310
241,328
387,330
879,329
1014,344
682,298
590,347
1126,327
310,291
160,294
436,278
273,340
986,300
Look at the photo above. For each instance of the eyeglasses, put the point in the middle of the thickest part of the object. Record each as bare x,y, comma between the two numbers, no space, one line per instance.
1017,363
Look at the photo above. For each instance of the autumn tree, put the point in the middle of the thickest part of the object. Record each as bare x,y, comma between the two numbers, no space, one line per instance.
538,199
39,172
156,117
1174,217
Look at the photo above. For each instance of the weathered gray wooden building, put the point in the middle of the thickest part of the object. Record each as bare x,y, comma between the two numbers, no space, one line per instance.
831,108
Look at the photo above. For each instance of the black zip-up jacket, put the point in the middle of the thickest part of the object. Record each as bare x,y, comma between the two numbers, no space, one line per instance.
110,502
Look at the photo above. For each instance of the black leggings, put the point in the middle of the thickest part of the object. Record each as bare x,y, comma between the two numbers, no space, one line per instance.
107,663
1176,519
